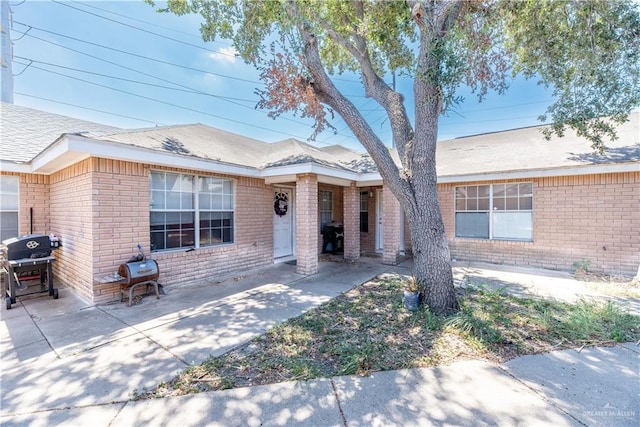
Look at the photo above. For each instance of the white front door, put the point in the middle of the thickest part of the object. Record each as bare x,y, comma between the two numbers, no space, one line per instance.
283,221
379,229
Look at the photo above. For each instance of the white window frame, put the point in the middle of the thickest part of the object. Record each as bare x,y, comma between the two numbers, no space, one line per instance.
520,212
325,207
187,201
364,209
9,206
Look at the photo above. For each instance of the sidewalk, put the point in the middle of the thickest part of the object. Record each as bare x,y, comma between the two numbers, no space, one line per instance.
68,363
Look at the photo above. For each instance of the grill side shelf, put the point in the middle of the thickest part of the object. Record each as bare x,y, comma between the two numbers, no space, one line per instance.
31,261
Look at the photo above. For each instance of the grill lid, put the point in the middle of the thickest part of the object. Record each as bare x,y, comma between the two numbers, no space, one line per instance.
142,271
28,246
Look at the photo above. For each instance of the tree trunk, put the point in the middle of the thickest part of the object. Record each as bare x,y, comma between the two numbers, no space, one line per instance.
432,259
415,186
431,256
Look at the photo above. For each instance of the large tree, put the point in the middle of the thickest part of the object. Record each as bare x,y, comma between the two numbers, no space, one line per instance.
587,52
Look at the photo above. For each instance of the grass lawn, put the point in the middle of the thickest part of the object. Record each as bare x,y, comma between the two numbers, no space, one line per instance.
368,329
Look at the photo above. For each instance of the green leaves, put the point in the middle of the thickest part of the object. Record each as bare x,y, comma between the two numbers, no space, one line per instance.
588,51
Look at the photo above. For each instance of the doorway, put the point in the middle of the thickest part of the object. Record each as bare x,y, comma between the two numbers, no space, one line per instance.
379,226
283,222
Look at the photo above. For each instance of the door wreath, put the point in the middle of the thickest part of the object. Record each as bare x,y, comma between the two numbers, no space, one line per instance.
281,204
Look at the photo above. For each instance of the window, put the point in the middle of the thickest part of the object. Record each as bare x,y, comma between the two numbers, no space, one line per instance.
364,211
216,211
9,204
190,211
326,208
498,211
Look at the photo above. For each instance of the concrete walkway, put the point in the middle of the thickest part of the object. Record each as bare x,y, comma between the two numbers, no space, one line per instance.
65,362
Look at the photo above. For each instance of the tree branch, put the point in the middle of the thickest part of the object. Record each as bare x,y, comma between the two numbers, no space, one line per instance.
447,16
327,93
375,87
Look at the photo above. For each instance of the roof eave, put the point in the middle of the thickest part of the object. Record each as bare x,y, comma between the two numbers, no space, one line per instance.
327,175
71,149
15,167
543,173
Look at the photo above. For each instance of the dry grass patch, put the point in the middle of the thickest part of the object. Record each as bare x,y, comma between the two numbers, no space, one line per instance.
368,329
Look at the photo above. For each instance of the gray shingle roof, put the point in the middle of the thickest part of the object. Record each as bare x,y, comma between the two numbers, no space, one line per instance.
526,149
26,132
291,151
196,140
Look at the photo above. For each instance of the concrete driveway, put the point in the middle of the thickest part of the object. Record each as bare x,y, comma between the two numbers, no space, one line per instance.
65,362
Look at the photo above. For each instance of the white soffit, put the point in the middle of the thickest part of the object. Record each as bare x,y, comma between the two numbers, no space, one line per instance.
280,179
15,167
325,174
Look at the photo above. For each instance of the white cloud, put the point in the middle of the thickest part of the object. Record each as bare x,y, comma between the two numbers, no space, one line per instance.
226,54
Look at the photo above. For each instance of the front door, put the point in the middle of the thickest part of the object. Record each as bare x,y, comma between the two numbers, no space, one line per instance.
379,229
283,221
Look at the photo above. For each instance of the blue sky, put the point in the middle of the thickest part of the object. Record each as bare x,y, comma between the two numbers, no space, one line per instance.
87,59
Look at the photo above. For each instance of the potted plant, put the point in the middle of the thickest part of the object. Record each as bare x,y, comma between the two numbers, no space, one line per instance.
412,291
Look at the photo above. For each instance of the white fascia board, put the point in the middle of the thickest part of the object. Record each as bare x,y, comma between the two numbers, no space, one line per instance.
83,147
342,176
369,180
279,179
6,166
56,156
544,173
331,180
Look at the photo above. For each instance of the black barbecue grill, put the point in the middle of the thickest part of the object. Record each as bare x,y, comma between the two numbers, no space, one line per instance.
136,272
24,260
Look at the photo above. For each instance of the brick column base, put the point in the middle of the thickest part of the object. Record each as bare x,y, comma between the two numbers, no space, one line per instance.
391,217
351,222
307,231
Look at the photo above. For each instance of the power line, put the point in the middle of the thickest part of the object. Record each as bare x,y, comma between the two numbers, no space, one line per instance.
185,90
505,106
125,67
228,99
90,109
143,30
486,121
93,6
132,54
166,37
178,106
164,87
189,90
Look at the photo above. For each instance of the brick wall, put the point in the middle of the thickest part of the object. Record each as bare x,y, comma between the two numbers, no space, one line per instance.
71,216
34,197
252,247
100,209
307,223
120,201
351,222
591,217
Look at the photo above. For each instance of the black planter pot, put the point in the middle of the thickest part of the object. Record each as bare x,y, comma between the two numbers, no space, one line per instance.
411,300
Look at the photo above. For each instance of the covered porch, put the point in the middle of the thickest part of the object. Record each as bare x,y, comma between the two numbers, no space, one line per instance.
366,214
